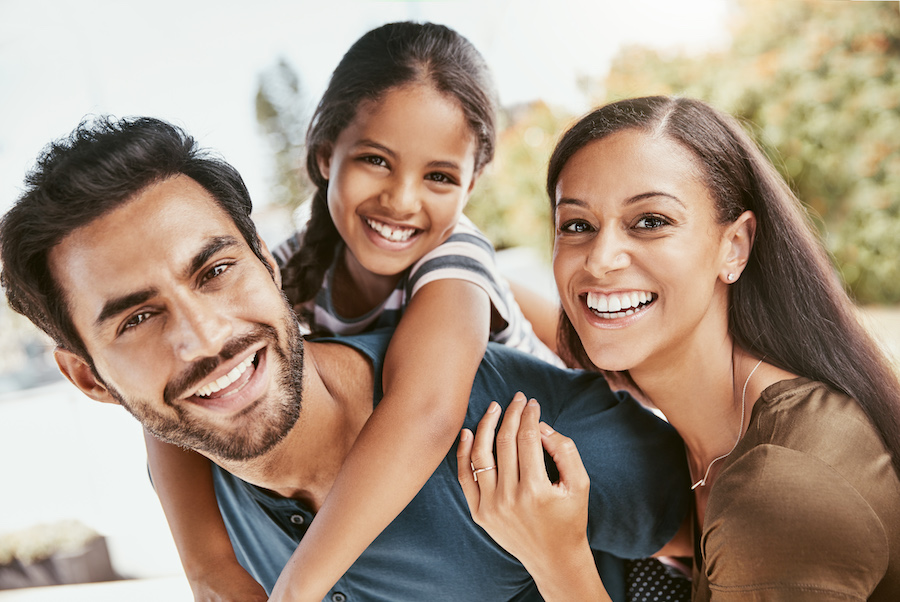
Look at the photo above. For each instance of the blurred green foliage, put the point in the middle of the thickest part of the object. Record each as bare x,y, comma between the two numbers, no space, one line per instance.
816,82
818,85
509,203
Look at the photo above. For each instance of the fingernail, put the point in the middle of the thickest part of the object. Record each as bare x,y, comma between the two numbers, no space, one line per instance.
464,435
546,429
519,396
532,402
493,408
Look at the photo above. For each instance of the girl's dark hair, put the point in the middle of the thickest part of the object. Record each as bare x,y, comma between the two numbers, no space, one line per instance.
388,57
100,166
789,305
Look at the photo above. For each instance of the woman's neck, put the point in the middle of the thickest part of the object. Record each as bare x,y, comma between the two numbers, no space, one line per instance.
357,291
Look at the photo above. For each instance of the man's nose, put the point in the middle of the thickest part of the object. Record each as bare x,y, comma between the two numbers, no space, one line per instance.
609,252
200,329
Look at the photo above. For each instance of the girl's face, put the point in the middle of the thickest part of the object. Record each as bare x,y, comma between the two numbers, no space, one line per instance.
399,177
639,258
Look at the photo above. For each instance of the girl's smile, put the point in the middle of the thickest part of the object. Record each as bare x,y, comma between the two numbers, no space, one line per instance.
399,176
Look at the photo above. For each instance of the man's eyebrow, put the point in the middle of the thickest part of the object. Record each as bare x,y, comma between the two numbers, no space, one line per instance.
212,247
117,305
114,307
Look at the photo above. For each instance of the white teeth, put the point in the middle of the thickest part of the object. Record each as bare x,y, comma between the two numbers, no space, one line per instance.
617,305
390,233
223,381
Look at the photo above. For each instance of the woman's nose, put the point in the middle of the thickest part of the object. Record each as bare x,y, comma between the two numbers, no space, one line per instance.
608,253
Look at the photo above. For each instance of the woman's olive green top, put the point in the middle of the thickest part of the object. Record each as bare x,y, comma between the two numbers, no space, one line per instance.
807,507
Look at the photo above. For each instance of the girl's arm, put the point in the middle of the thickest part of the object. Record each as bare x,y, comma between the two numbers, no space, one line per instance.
183,482
428,374
543,524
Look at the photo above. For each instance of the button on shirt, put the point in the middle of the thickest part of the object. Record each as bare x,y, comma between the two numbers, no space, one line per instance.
433,550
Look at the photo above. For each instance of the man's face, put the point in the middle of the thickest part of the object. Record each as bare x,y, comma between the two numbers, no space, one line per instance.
186,326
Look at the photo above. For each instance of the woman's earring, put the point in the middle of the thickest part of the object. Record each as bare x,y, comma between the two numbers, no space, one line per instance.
730,277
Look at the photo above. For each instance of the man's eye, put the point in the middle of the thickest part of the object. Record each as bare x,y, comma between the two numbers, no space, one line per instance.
135,320
216,271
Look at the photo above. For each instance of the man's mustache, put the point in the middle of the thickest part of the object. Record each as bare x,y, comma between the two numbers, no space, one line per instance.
202,368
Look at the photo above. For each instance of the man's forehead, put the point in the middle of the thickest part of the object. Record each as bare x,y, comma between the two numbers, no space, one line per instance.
152,236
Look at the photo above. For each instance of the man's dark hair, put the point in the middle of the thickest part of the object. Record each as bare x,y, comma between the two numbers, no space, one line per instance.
97,168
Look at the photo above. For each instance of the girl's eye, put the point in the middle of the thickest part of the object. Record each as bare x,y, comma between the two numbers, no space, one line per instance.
651,222
440,177
375,160
576,227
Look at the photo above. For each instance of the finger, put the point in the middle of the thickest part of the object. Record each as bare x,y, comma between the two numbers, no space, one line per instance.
464,470
483,449
531,452
572,474
507,449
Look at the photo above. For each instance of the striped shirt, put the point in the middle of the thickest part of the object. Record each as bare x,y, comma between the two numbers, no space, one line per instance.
466,255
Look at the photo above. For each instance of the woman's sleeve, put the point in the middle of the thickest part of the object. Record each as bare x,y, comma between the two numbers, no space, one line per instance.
783,525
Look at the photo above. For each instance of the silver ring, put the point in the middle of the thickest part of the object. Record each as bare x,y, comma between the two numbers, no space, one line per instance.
475,471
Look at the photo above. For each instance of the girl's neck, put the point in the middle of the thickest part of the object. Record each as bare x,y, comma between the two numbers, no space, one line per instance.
357,291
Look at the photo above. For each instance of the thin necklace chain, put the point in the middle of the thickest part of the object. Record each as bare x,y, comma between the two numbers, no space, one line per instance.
702,482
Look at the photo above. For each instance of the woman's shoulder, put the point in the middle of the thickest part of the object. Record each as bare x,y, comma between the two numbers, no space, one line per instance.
781,519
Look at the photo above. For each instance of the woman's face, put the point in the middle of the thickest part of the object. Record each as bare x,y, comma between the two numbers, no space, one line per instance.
638,254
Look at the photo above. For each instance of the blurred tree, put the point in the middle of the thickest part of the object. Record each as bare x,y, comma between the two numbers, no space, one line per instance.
818,85
282,115
509,203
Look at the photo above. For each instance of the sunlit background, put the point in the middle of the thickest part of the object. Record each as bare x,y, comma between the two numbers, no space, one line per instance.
816,82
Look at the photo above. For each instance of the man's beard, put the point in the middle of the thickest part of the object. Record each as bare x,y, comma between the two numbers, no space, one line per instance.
267,420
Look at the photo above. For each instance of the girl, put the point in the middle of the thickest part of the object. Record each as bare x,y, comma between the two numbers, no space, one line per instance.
394,148
682,257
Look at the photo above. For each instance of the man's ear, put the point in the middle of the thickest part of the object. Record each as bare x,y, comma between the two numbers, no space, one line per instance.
270,260
738,241
80,374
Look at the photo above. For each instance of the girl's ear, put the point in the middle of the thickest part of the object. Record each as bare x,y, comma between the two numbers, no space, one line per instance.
323,160
738,242
80,374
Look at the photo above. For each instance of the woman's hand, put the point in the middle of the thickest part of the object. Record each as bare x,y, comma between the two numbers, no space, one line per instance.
543,524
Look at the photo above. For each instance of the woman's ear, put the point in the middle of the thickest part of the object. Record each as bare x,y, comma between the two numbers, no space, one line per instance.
80,374
738,242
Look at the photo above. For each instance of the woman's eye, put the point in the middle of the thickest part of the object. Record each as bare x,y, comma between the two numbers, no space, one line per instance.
651,222
576,227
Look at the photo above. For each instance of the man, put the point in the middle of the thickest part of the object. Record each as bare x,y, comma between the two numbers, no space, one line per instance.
135,252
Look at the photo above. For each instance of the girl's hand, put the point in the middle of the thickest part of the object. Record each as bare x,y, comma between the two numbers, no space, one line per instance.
229,584
536,521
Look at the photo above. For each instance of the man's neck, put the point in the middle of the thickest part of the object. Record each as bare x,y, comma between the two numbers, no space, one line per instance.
334,409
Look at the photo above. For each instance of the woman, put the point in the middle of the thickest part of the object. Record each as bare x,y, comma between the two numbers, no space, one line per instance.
682,258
